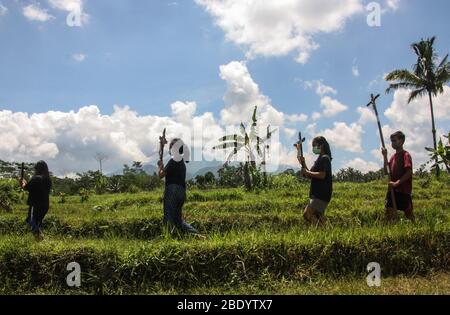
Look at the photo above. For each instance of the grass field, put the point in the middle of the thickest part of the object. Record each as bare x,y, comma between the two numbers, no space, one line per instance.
257,243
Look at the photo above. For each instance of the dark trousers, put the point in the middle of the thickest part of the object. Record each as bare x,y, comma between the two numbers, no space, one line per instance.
174,198
35,218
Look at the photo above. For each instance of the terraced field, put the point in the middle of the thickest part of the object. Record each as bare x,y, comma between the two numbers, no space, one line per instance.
257,243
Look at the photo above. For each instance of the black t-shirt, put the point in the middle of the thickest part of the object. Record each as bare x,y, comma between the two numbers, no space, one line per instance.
322,188
175,173
39,190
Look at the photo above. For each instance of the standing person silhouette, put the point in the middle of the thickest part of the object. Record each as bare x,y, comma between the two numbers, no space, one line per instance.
38,198
175,189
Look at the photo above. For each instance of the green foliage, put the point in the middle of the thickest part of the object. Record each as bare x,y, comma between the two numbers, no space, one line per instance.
9,193
284,180
230,176
352,175
85,195
62,198
441,156
206,181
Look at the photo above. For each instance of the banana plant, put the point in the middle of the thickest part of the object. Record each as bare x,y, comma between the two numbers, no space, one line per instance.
441,155
249,142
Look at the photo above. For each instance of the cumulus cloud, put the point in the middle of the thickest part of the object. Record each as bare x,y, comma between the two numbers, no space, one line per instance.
366,115
33,12
68,139
278,28
297,118
320,88
332,107
345,137
362,165
242,95
316,116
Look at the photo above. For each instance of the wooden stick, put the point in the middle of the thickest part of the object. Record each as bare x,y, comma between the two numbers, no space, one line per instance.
374,105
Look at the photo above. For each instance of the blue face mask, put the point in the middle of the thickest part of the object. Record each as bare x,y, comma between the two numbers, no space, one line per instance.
316,150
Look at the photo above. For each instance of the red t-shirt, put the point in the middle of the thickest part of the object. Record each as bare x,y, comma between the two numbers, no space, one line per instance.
399,164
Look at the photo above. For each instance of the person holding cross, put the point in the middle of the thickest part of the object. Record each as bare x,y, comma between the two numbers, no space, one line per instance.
321,176
400,166
39,188
175,187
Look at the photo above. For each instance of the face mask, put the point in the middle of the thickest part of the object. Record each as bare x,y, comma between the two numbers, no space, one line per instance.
316,150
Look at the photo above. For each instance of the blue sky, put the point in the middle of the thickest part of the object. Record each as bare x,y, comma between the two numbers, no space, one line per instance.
150,54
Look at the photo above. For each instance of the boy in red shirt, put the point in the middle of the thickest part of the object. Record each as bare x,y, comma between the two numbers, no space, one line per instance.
401,169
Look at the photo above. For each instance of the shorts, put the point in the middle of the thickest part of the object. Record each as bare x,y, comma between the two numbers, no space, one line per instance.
318,205
404,201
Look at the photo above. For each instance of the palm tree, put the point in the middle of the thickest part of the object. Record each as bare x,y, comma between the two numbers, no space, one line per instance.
428,78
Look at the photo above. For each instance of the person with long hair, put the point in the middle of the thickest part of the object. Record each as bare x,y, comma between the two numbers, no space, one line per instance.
38,198
175,189
321,176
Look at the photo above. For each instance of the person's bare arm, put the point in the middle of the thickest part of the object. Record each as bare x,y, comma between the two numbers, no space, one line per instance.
404,178
317,175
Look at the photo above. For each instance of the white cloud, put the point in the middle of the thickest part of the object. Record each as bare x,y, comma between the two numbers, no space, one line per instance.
277,28
35,13
393,4
316,116
68,140
289,132
362,165
355,71
3,9
366,115
414,120
183,111
321,88
80,57
331,106
71,6
318,86
243,95
346,137
297,118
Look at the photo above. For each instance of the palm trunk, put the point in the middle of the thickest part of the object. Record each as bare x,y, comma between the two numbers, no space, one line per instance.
434,133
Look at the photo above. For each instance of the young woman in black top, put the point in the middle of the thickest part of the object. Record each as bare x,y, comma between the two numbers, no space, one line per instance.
321,181
175,191
38,198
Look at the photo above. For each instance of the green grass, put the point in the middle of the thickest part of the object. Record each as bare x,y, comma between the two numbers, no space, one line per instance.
257,243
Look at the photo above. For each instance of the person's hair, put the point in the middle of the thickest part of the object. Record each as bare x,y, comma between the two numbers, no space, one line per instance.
400,135
41,169
172,143
324,143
